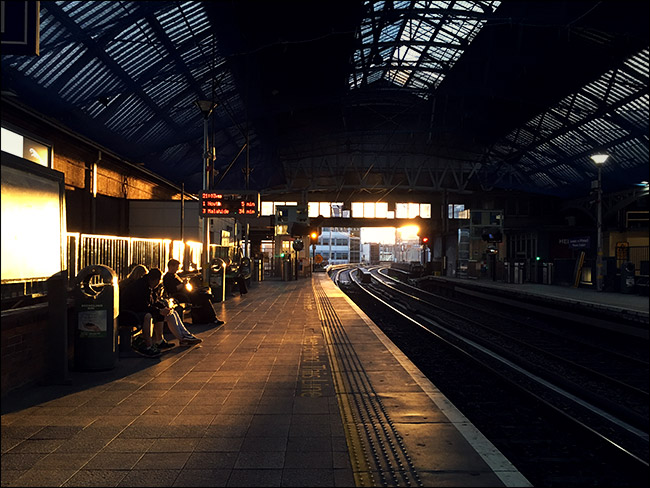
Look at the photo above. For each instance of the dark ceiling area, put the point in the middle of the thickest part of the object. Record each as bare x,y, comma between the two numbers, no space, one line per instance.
343,97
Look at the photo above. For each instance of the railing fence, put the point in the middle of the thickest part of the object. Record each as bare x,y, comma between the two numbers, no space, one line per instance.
122,253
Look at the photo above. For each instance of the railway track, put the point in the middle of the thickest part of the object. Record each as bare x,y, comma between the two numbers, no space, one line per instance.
574,420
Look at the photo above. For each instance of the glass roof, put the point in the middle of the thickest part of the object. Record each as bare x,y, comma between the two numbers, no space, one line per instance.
414,44
610,114
132,70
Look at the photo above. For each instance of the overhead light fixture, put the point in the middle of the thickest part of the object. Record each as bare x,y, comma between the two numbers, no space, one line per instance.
599,158
205,106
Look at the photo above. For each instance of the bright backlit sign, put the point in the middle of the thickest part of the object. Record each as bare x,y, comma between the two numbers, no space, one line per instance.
227,204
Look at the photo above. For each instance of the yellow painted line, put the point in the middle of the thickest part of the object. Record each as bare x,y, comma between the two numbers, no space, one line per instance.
360,467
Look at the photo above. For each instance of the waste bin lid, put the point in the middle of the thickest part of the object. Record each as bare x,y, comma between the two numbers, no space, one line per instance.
83,279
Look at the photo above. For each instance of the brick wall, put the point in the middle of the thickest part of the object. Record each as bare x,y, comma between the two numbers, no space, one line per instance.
24,353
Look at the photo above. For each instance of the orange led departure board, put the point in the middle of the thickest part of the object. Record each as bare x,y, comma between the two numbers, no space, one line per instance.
229,204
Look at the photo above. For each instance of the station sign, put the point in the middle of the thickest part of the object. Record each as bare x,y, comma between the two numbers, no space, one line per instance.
229,204
20,28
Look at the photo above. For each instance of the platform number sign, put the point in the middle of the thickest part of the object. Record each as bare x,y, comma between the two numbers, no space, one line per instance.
223,204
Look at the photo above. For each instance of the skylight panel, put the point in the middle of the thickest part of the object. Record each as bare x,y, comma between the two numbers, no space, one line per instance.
447,25
50,66
566,172
175,22
551,124
543,151
636,111
602,131
51,31
164,90
134,49
629,153
156,131
78,86
639,64
542,180
131,107
582,107
571,143
90,14
624,86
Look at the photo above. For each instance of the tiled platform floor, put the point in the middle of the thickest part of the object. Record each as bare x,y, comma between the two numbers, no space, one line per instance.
254,405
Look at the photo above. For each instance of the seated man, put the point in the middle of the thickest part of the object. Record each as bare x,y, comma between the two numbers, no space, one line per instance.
137,298
143,298
202,310
173,284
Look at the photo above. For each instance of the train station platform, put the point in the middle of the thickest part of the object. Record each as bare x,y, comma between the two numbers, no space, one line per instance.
298,388
582,304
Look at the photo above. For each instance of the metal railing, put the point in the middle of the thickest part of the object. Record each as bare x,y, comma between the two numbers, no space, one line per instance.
122,253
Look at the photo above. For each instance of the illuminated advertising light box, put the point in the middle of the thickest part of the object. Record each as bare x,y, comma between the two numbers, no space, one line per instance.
229,204
33,220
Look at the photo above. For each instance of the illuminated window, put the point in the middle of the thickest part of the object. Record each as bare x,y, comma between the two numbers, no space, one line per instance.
457,211
12,143
357,210
381,210
414,210
401,210
267,208
313,209
24,147
425,210
369,210
325,209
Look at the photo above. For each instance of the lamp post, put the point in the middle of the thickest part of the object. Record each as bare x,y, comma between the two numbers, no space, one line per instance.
599,159
206,107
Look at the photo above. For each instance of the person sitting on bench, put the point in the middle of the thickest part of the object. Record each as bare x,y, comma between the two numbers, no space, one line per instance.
202,309
143,298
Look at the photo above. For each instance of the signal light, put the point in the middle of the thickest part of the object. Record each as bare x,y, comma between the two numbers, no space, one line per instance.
314,235
425,240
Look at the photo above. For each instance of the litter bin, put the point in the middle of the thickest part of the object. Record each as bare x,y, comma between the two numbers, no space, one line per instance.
216,278
627,277
286,270
519,273
96,311
547,273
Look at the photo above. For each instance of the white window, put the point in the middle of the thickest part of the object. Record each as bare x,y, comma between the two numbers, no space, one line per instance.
357,210
381,210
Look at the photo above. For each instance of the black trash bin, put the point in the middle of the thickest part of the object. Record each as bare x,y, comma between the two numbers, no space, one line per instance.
96,311
627,277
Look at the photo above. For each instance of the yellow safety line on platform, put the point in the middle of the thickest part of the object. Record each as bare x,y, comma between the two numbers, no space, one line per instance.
360,466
